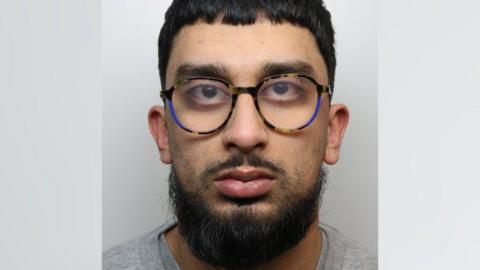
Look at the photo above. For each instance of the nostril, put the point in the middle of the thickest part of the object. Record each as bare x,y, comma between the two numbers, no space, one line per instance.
244,135
235,146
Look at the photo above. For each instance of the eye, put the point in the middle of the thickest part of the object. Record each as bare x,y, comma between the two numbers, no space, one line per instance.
206,94
208,91
282,90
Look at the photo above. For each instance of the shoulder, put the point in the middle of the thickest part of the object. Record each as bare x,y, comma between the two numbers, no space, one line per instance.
136,254
359,257
347,254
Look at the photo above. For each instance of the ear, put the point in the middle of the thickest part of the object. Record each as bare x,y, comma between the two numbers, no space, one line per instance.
337,124
157,120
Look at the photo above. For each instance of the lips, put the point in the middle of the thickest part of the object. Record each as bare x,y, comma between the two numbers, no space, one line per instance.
244,183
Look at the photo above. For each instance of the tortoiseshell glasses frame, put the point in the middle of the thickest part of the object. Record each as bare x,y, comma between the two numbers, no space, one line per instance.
167,95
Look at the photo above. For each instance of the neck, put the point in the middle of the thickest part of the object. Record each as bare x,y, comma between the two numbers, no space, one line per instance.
304,255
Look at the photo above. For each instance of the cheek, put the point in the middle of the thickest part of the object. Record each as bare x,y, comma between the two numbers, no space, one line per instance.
304,161
303,157
316,135
307,146
183,158
191,154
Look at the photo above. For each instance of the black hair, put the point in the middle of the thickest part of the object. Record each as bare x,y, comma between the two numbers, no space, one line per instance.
311,14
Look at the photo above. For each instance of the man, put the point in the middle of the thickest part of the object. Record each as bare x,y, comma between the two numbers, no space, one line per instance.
247,126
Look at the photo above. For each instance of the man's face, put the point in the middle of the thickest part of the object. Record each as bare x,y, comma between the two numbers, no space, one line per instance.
283,169
243,52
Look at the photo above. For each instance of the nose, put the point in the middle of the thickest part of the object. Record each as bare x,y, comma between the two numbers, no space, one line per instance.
245,130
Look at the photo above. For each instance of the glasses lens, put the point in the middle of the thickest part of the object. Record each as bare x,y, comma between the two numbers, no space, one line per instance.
288,102
202,104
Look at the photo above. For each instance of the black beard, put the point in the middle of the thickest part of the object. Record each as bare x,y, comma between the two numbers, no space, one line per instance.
242,240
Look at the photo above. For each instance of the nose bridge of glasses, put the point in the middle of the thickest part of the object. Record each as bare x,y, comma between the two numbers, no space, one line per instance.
245,109
251,90
244,90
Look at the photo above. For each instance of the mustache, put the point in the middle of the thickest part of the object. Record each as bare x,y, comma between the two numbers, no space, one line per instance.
239,159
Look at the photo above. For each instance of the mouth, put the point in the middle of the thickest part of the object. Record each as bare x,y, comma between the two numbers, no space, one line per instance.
244,183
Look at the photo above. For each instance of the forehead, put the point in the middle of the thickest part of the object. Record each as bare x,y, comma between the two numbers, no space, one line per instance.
243,50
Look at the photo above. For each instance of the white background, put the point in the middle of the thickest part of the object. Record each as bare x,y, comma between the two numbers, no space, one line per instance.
134,179
50,134
429,129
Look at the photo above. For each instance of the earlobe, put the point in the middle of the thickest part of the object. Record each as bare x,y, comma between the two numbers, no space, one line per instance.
337,125
157,121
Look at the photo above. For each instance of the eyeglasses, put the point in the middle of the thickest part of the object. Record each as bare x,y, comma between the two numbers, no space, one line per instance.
286,103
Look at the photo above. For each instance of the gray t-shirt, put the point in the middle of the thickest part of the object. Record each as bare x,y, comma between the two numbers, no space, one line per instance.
151,252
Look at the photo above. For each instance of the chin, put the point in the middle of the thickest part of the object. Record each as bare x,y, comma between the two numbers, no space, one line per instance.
247,207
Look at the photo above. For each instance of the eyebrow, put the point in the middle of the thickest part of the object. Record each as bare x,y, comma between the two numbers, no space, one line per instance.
189,70
271,69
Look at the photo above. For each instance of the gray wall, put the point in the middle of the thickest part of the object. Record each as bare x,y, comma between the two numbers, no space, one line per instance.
134,179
